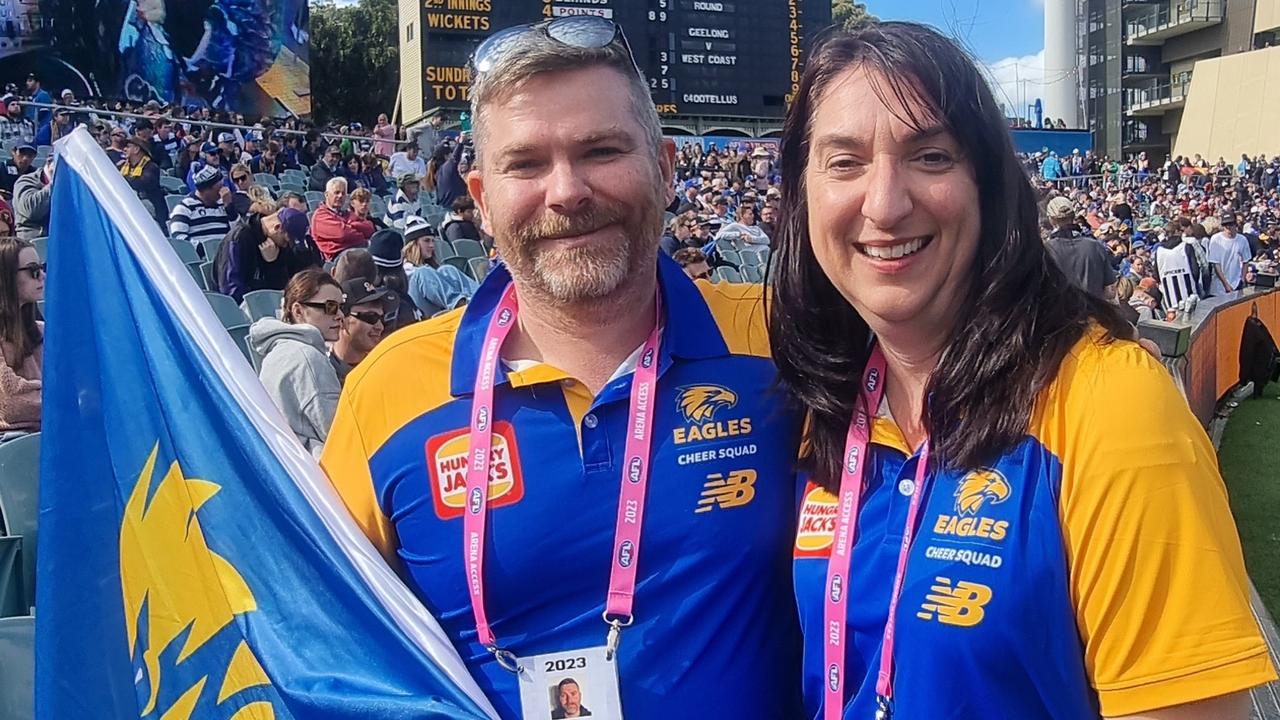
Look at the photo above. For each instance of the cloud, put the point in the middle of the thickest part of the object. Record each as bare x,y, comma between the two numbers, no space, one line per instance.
1016,82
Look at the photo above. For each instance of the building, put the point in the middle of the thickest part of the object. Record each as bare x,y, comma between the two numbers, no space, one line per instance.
1140,58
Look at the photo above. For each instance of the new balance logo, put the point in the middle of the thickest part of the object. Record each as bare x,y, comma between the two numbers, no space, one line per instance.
960,605
727,492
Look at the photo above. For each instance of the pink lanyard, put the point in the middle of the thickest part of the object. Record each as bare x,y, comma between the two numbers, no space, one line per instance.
850,501
635,479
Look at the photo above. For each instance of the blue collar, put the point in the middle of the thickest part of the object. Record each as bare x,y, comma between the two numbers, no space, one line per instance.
690,332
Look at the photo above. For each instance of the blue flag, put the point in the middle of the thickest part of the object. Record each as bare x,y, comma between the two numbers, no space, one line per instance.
194,561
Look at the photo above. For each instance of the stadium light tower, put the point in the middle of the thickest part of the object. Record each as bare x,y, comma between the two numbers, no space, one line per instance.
1061,76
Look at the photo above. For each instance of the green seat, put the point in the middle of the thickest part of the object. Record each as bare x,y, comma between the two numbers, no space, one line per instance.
17,657
444,250
240,336
726,274
19,503
210,250
172,185
252,353
41,244
461,263
752,273
468,249
228,312
730,256
172,201
479,268
261,303
194,268
210,281
266,179
13,601
755,255
186,251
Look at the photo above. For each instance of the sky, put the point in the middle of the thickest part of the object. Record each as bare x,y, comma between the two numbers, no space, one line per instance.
1005,35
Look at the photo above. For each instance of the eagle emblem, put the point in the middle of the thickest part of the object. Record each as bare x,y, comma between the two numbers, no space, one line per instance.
979,486
700,403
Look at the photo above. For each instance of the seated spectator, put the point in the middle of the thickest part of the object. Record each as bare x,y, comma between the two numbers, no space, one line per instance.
210,156
361,207
406,202
57,128
694,263
330,166
189,154
13,125
371,175
365,309
745,227
31,194
388,261
21,336
460,222
294,200
432,287
143,175
20,164
353,264
201,215
677,235
295,368
1146,299
335,229
243,195
269,161
263,251
350,169
407,162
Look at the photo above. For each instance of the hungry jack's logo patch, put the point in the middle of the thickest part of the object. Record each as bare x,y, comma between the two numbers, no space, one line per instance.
447,460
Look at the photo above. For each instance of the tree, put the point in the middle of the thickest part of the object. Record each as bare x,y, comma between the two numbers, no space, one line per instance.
850,14
355,60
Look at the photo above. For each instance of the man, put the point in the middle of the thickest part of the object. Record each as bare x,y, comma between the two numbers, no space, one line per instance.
364,320
31,193
450,183
13,125
143,175
268,161
694,263
262,252
1228,253
227,145
294,200
210,156
1082,258
38,115
460,222
580,240
429,136
406,202
569,701
20,164
407,162
720,207
201,215
676,238
334,228
57,127
326,169
161,145
768,220
115,151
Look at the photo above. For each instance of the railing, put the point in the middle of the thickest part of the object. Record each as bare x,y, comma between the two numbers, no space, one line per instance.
1167,16
1153,97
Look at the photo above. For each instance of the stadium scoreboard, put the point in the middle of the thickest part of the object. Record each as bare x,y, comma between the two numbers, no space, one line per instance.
724,58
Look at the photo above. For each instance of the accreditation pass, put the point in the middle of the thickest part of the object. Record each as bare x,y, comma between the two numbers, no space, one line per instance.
572,684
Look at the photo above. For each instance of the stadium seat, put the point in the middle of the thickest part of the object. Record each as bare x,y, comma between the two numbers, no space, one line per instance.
172,185
479,268
293,187
254,358
434,216
459,262
19,488
240,336
726,274
172,201
755,255
314,198
13,601
228,312
209,249
41,244
197,275
377,207
17,657
262,303
468,249
293,176
266,179
210,281
752,273
186,251
444,250
729,256
150,207
667,217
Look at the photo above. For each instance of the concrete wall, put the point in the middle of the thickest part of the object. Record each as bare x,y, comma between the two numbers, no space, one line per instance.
1232,106
1266,15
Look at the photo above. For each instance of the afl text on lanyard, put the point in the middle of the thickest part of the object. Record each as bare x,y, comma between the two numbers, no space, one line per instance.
835,604
634,481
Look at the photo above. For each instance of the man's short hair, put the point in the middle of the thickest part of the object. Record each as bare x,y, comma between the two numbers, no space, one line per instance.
361,194
335,182
288,195
535,53
689,256
463,204
273,147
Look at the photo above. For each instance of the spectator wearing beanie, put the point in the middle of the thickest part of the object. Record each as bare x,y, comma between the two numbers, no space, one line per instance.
432,286
387,249
201,216
262,252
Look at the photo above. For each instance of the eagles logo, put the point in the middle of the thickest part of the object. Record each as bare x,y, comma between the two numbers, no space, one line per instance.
700,403
979,486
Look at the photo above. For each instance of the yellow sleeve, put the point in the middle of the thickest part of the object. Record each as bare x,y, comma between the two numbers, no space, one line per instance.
346,461
1156,571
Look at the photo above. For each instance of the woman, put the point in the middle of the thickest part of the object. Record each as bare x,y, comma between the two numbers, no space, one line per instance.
432,287
1066,557
190,153
21,336
295,365
351,171
384,133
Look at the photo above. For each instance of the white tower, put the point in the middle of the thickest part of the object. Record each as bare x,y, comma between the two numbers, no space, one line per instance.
1061,76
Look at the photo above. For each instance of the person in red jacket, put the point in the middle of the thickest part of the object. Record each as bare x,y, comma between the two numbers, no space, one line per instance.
335,229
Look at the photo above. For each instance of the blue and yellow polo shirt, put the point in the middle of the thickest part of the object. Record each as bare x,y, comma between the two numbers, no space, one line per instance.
1094,569
715,631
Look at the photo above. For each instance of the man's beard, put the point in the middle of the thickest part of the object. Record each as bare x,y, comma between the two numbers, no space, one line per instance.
592,272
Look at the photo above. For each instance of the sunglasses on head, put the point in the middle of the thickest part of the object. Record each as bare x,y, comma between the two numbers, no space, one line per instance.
330,307
35,269
587,32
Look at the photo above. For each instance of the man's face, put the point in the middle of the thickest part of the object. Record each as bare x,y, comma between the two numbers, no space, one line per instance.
209,195
145,133
698,270
32,85
411,152
14,109
570,186
571,699
23,160
335,196
469,215
767,214
214,158
721,210
333,157
132,152
361,207
274,229
363,326
411,190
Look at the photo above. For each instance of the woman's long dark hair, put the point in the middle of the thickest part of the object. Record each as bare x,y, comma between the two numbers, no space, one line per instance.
1021,314
18,325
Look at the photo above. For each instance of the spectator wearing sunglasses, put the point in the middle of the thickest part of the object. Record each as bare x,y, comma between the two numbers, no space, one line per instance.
694,263
246,191
364,322
679,230
21,336
295,367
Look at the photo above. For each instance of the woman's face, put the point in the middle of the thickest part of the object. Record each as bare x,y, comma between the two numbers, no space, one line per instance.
327,323
893,213
427,246
30,280
353,165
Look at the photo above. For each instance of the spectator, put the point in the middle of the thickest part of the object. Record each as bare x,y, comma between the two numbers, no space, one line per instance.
438,158
57,128
244,190
1228,253
386,249
310,152
350,169
210,156
7,223
1144,299
201,216
263,251
13,124
189,154
407,161
371,175
361,208
155,150
143,175
20,164
1084,260
323,171
432,287
694,263
291,199
429,135
1179,272
365,310
677,236
268,161
745,227
335,229
166,142
31,201
354,263
406,201
21,336
295,368
460,222
450,184
383,135
37,115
